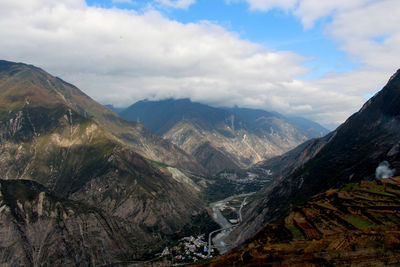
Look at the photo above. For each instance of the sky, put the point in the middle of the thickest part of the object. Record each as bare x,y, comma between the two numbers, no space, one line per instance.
317,59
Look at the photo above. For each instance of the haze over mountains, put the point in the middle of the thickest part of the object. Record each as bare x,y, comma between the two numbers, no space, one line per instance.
222,138
80,185
328,204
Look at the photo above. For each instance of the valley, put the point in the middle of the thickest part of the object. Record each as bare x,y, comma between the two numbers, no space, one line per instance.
160,133
356,224
216,186
58,146
54,135
222,138
228,214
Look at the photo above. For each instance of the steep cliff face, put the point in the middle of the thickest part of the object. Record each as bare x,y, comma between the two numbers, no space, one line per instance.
39,229
48,138
355,225
221,138
350,153
90,166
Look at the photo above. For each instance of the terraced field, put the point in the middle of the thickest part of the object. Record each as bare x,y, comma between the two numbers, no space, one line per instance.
354,207
358,224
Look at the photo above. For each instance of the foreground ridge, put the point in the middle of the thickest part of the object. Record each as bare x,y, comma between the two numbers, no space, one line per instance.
356,224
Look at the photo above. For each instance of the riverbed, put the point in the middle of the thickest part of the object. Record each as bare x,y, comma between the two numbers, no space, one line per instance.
226,226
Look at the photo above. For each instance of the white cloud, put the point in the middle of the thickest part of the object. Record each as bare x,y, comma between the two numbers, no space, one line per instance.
311,10
308,10
266,5
119,57
184,4
354,25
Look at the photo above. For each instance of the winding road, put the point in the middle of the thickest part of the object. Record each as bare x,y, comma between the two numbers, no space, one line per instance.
226,227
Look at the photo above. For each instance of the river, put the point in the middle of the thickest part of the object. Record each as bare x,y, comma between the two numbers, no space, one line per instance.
226,226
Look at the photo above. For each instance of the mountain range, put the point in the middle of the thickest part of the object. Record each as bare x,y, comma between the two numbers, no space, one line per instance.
222,138
63,153
332,201
80,185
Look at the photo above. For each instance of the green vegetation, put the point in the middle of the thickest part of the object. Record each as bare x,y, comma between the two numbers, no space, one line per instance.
230,214
364,197
350,187
297,234
392,218
379,192
199,224
358,221
158,164
220,189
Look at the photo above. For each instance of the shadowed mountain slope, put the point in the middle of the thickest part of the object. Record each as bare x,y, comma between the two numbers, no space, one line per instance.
356,225
40,229
349,154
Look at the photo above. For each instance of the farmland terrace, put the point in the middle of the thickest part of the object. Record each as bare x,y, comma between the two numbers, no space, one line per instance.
358,223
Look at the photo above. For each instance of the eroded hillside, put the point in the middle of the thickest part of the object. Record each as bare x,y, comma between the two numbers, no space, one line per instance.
47,136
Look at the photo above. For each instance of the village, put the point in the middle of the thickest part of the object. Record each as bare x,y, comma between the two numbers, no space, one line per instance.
189,249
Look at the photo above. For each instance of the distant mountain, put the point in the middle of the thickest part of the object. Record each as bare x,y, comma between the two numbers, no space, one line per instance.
115,109
53,134
222,138
273,122
349,154
355,225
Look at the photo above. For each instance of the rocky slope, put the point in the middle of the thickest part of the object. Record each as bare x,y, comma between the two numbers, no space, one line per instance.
36,87
350,153
294,127
221,138
48,135
356,225
39,229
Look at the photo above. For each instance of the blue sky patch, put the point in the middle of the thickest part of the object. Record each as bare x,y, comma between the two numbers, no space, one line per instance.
276,30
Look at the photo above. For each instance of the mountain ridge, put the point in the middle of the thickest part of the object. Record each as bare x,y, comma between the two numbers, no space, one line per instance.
350,153
232,137
48,136
133,134
357,224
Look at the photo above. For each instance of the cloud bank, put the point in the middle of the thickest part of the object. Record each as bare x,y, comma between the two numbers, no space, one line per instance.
120,56
366,30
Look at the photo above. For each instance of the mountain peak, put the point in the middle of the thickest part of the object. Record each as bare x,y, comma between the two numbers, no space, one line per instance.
28,85
396,75
386,100
221,138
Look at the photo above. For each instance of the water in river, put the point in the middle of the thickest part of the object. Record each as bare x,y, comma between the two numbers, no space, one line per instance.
226,227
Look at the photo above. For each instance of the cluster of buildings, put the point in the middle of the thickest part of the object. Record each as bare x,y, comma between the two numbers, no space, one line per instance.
189,249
